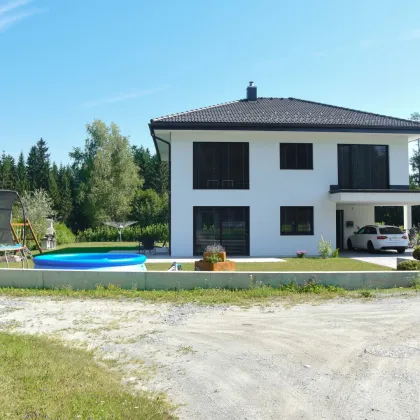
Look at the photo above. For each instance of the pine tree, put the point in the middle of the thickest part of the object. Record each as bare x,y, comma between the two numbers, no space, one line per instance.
32,168
22,183
53,187
66,203
7,172
43,165
38,166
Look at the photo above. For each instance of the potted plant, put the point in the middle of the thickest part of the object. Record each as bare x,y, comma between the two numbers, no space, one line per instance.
213,261
215,249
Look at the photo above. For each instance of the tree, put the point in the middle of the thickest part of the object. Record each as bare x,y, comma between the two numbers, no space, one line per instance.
38,207
7,172
31,168
150,208
154,172
38,166
66,202
107,175
43,164
53,188
22,183
415,159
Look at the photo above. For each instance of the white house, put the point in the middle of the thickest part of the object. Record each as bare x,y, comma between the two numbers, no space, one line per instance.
269,176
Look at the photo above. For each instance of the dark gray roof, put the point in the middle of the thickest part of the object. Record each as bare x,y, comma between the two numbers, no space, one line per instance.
272,113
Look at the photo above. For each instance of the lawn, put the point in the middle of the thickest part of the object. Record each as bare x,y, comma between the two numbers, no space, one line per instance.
292,264
42,379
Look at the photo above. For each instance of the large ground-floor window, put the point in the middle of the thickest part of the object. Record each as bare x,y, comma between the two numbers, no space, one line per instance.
228,226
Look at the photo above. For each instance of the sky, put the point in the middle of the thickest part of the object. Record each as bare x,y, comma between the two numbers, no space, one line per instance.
65,63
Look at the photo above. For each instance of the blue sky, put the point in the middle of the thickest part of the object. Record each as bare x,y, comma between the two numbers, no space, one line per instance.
65,63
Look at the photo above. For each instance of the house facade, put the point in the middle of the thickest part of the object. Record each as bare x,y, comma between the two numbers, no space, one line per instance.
269,176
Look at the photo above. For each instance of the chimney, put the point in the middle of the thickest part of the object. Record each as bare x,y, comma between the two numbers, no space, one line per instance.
251,92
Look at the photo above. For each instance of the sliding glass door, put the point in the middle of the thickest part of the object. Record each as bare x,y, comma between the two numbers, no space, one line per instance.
228,226
363,166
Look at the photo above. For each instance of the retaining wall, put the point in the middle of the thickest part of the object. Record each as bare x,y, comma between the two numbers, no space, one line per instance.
164,280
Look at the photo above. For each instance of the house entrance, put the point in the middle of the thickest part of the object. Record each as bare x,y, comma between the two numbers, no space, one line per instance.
339,226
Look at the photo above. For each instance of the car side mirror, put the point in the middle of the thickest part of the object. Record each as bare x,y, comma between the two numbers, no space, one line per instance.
355,233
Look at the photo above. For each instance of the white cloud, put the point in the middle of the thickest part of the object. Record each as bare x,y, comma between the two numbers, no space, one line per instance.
6,7
122,97
8,19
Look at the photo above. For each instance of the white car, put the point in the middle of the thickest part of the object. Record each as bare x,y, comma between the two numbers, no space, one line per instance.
375,237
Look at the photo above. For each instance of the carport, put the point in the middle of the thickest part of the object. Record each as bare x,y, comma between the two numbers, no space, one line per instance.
356,208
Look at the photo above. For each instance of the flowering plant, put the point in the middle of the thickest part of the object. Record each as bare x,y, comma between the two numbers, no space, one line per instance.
300,254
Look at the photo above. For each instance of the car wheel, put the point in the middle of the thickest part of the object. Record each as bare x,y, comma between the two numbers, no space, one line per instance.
370,247
401,250
349,245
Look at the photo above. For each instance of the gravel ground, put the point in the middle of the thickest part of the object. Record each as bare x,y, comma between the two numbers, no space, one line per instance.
338,360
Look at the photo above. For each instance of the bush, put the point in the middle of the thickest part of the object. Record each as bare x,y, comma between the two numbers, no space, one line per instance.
416,253
212,258
63,234
324,248
158,233
409,265
335,253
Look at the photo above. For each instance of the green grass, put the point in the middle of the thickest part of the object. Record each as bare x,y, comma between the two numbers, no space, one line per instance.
288,294
42,379
292,264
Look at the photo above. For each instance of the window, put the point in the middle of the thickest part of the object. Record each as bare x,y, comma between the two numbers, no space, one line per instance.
370,230
220,165
296,156
363,166
228,226
390,230
296,220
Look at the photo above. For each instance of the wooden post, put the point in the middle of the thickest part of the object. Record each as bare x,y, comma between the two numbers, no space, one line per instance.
28,225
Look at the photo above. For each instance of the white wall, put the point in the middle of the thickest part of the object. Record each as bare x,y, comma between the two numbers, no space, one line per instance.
271,187
359,214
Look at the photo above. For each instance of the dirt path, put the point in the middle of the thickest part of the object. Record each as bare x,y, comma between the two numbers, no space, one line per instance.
348,360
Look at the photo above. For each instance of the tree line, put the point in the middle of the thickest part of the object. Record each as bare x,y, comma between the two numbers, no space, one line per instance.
107,179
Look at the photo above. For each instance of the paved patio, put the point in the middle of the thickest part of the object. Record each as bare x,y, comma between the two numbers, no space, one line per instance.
385,258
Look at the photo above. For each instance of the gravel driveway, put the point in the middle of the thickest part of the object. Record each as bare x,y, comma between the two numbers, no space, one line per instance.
338,360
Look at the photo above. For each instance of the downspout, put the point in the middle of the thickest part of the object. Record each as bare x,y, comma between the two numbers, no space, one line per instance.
155,139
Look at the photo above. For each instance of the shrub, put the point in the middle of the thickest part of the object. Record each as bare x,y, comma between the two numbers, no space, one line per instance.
409,265
300,254
416,253
213,258
415,283
324,248
335,253
158,232
63,234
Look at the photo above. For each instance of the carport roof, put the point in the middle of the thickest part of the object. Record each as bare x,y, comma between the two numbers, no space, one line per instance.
396,197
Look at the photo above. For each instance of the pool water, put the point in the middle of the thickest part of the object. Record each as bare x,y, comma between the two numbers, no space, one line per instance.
94,262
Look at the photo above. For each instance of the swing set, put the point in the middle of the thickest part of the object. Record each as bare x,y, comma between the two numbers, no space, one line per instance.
14,236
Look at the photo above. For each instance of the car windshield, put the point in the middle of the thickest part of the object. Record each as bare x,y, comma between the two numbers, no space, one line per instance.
390,230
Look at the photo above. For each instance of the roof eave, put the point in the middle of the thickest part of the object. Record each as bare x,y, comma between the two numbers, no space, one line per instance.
281,127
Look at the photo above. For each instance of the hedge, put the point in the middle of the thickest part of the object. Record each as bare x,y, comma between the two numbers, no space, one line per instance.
158,233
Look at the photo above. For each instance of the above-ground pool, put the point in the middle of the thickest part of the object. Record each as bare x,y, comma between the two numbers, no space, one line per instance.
97,262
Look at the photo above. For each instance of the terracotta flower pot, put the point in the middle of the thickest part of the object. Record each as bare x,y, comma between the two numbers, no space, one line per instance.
219,266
